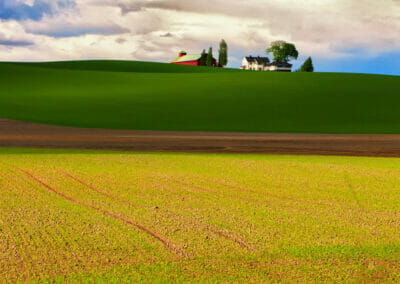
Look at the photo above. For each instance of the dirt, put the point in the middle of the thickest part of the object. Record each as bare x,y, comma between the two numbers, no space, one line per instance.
32,135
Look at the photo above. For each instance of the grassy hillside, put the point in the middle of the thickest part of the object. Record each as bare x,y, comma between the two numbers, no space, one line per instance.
112,217
167,97
124,66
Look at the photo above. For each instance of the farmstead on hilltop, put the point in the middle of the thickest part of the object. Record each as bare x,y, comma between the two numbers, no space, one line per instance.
190,59
263,64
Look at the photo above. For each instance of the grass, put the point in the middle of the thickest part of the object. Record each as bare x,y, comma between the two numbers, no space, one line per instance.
124,66
154,96
87,216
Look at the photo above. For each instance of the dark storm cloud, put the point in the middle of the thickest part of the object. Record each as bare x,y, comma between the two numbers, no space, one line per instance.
16,43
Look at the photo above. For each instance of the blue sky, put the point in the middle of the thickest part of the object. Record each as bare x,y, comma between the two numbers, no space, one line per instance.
360,36
19,11
35,10
385,63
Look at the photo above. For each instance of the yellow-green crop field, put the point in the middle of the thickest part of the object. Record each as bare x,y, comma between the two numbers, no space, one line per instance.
120,217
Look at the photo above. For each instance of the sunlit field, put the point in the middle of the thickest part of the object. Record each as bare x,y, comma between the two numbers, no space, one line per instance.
155,96
92,216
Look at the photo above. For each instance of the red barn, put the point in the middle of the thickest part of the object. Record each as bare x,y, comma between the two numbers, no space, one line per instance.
190,59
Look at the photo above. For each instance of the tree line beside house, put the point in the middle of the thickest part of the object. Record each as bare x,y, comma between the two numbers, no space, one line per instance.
285,51
207,58
307,66
204,59
282,53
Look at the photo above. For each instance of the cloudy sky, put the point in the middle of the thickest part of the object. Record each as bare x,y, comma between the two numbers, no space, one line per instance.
340,35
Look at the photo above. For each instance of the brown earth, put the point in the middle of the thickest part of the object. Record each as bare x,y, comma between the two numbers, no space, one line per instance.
32,135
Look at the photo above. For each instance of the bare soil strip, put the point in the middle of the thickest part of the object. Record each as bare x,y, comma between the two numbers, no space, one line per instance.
23,134
163,240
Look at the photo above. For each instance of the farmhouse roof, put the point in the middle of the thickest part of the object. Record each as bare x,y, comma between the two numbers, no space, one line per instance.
259,60
186,58
280,64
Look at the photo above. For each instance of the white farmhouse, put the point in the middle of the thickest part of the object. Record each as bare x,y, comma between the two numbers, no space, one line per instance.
263,64
255,63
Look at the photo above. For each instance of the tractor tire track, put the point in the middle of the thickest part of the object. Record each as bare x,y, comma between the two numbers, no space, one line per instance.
99,191
216,231
163,240
46,238
100,258
199,188
104,194
87,185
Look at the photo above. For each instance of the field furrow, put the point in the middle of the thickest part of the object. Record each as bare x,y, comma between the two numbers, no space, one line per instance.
174,248
199,225
20,235
77,216
15,264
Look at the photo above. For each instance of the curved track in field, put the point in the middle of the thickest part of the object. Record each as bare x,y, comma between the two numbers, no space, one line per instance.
24,134
219,232
174,248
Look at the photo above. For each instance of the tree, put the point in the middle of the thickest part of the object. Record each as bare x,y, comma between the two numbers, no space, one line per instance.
210,57
307,66
223,53
283,51
203,58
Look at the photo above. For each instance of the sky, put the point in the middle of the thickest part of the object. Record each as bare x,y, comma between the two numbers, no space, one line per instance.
340,35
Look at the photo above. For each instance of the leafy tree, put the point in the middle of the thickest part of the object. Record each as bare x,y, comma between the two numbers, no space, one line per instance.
210,57
307,66
283,51
223,53
203,58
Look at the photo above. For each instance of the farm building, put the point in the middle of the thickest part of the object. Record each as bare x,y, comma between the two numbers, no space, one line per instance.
255,63
263,64
280,66
190,59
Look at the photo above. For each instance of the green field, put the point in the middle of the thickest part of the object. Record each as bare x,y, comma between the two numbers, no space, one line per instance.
111,216
155,96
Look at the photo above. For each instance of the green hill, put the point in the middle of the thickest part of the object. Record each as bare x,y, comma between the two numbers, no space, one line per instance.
139,95
124,66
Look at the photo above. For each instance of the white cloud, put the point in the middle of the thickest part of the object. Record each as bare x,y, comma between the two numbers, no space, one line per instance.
136,29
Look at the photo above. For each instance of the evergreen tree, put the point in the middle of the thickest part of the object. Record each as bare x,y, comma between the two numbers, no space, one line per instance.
223,53
210,57
307,66
203,58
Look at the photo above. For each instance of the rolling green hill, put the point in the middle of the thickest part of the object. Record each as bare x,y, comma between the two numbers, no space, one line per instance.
124,66
138,95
